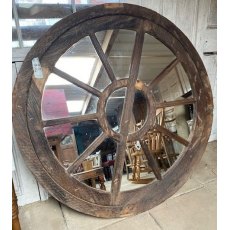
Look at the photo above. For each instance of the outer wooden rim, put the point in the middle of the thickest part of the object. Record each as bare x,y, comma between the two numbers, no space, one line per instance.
28,126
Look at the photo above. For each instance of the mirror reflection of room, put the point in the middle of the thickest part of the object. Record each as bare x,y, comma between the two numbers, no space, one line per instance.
64,100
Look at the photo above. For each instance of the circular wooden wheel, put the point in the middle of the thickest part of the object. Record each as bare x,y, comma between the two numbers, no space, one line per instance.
28,124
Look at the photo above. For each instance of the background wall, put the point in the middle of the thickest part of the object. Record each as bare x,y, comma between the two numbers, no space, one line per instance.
197,19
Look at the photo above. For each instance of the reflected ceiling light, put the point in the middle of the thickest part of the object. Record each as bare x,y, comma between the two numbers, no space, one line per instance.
53,79
78,67
75,106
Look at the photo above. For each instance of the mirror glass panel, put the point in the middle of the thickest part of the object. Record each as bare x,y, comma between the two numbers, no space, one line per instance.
69,110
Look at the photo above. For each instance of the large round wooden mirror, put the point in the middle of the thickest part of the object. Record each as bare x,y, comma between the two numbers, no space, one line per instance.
120,113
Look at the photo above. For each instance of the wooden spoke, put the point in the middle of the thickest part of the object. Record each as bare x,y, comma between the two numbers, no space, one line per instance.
87,152
175,103
172,135
76,82
151,160
163,73
126,114
102,56
73,120
98,71
136,57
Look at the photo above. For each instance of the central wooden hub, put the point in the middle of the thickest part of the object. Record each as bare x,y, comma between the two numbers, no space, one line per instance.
143,109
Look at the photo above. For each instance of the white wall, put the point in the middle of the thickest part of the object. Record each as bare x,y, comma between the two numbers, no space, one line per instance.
26,187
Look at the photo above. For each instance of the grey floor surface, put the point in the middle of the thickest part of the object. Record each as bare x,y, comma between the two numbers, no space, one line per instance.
193,207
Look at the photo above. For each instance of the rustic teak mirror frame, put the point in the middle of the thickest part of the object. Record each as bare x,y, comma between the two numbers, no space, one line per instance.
28,125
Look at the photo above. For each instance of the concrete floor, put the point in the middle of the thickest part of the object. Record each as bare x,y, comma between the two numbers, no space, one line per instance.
193,207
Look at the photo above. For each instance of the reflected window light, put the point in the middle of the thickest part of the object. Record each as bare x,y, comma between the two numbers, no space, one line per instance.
38,22
29,43
78,67
53,79
75,106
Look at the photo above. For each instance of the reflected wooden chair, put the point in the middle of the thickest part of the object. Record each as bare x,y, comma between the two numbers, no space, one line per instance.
92,175
92,170
137,162
156,144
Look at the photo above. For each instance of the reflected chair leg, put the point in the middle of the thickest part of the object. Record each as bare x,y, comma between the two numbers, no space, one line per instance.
170,161
162,161
101,181
127,169
138,168
133,168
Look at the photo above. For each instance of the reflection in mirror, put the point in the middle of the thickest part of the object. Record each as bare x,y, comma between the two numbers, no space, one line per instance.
114,107
179,120
175,85
97,169
86,132
69,142
164,144
139,112
63,99
82,62
121,52
62,142
155,57
81,146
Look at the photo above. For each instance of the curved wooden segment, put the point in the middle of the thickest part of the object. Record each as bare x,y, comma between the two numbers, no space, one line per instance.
163,73
87,152
111,42
151,160
73,120
102,56
76,82
175,103
126,114
172,135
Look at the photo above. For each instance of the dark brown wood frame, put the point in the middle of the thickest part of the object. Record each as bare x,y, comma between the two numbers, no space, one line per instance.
28,124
